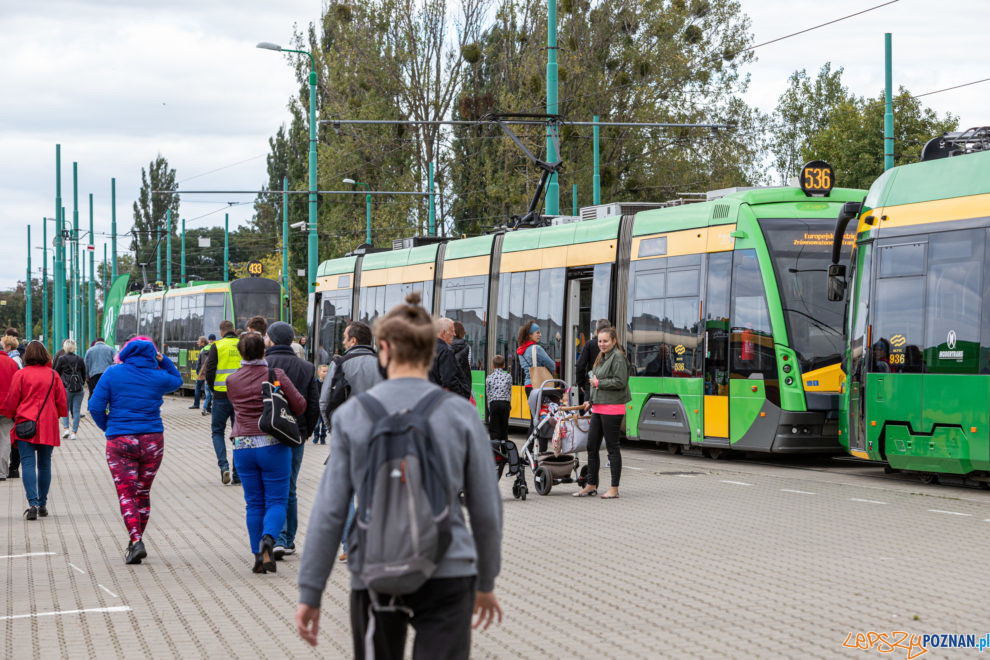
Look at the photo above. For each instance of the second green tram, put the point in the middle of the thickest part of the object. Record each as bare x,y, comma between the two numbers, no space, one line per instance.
177,317
918,295
720,307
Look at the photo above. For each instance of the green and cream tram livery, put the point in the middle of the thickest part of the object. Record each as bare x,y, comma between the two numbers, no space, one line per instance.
720,306
177,317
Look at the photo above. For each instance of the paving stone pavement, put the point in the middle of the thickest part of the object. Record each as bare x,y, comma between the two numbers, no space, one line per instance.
762,559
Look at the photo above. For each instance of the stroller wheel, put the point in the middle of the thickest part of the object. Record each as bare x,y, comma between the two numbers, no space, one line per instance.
517,492
542,480
523,490
583,476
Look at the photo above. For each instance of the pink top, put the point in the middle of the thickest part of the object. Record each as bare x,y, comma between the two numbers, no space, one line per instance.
609,408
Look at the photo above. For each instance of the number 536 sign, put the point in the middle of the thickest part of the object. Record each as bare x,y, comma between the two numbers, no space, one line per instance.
817,178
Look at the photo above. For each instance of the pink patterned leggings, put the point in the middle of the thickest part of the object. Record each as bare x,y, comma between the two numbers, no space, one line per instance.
134,460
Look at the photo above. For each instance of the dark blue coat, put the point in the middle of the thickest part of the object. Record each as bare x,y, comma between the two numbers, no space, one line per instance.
132,390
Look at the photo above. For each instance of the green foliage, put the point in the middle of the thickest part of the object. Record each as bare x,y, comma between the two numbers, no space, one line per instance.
853,140
150,210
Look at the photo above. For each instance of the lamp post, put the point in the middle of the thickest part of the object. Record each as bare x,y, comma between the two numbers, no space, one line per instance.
367,203
312,247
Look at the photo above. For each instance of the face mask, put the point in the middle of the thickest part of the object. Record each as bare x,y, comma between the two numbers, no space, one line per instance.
383,371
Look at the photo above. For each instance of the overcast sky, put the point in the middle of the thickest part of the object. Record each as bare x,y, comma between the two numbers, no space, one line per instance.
116,82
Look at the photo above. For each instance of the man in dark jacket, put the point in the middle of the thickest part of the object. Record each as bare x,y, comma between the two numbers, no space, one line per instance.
445,371
302,374
587,360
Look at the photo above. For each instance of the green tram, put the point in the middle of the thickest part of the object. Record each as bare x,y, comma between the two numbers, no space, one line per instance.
720,306
177,317
918,322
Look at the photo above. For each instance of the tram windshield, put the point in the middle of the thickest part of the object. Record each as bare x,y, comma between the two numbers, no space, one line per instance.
255,296
801,251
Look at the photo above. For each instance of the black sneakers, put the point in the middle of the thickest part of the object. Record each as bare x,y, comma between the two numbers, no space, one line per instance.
135,553
268,553
43,511
31,513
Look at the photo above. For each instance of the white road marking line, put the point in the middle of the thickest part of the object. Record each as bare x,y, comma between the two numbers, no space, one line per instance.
629,467
115,608
77,568
856,499
108,591
799,492
737,483
951,513
27,554
686,476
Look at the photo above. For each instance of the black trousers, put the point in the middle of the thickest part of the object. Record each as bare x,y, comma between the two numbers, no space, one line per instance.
442,610
609,426
92,381
15,458
498,419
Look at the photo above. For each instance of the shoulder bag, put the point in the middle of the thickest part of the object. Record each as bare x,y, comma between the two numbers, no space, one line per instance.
537,374
277,419
27,429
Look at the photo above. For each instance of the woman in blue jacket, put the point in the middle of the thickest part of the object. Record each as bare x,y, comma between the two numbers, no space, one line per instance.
528,342
126,405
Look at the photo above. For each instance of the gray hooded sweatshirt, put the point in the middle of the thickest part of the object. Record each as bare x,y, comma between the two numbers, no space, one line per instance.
462,442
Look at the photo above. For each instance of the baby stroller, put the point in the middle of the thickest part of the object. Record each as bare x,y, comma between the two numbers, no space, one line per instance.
560,425
507,456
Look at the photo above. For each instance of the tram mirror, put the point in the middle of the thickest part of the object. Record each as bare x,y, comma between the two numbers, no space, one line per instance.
836,282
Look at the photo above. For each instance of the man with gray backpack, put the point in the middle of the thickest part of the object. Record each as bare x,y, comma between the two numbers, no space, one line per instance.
406,448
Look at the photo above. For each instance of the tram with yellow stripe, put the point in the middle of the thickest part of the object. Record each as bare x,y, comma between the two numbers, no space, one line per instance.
918,296
720,306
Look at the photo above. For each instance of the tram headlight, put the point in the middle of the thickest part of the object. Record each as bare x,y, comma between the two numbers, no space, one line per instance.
788,381
787,368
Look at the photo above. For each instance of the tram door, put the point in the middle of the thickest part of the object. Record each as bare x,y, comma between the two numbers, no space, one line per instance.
588,300
716,314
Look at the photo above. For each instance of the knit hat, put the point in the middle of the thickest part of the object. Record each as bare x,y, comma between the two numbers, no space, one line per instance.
212,337
281,333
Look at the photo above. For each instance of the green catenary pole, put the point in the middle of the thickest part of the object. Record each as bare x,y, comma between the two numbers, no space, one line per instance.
285,233
65,274
313,244
76,324
596,183
367,212
28,321
553,189
58,281
81,339
226,247
113,228
182,264
433,206
106,280
574,204
888,114
44,280
92,277
168,247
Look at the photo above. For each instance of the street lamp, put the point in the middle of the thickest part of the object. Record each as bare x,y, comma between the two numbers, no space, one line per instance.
367,203
312,248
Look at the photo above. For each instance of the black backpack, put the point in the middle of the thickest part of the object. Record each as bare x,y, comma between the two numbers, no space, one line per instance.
340,389
403,516
276,419
73,379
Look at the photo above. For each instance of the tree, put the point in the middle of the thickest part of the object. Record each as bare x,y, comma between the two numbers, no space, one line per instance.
150,211
804,110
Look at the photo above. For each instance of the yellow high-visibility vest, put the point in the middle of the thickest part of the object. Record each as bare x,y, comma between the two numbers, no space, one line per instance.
228,361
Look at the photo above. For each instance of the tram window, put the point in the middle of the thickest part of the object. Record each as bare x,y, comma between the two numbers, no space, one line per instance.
954,302
465,299
898,324
861,277
902,260
530,296
649,283
550,312
214,312
601,290
751,335
127,323
683,282
717,323
682,336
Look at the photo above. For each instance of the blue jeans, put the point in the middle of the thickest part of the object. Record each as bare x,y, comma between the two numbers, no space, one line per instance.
198,392
265,475
36,471
74,401
223,410
207,398
351,512
288,536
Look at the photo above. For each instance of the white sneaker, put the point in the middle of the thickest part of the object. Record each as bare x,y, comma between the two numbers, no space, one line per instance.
72,436
65,433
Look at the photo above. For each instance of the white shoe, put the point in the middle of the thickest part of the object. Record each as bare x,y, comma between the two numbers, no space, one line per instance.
72,436
65,433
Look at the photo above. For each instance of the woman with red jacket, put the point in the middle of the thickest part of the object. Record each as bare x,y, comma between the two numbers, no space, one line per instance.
37,395
263,463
